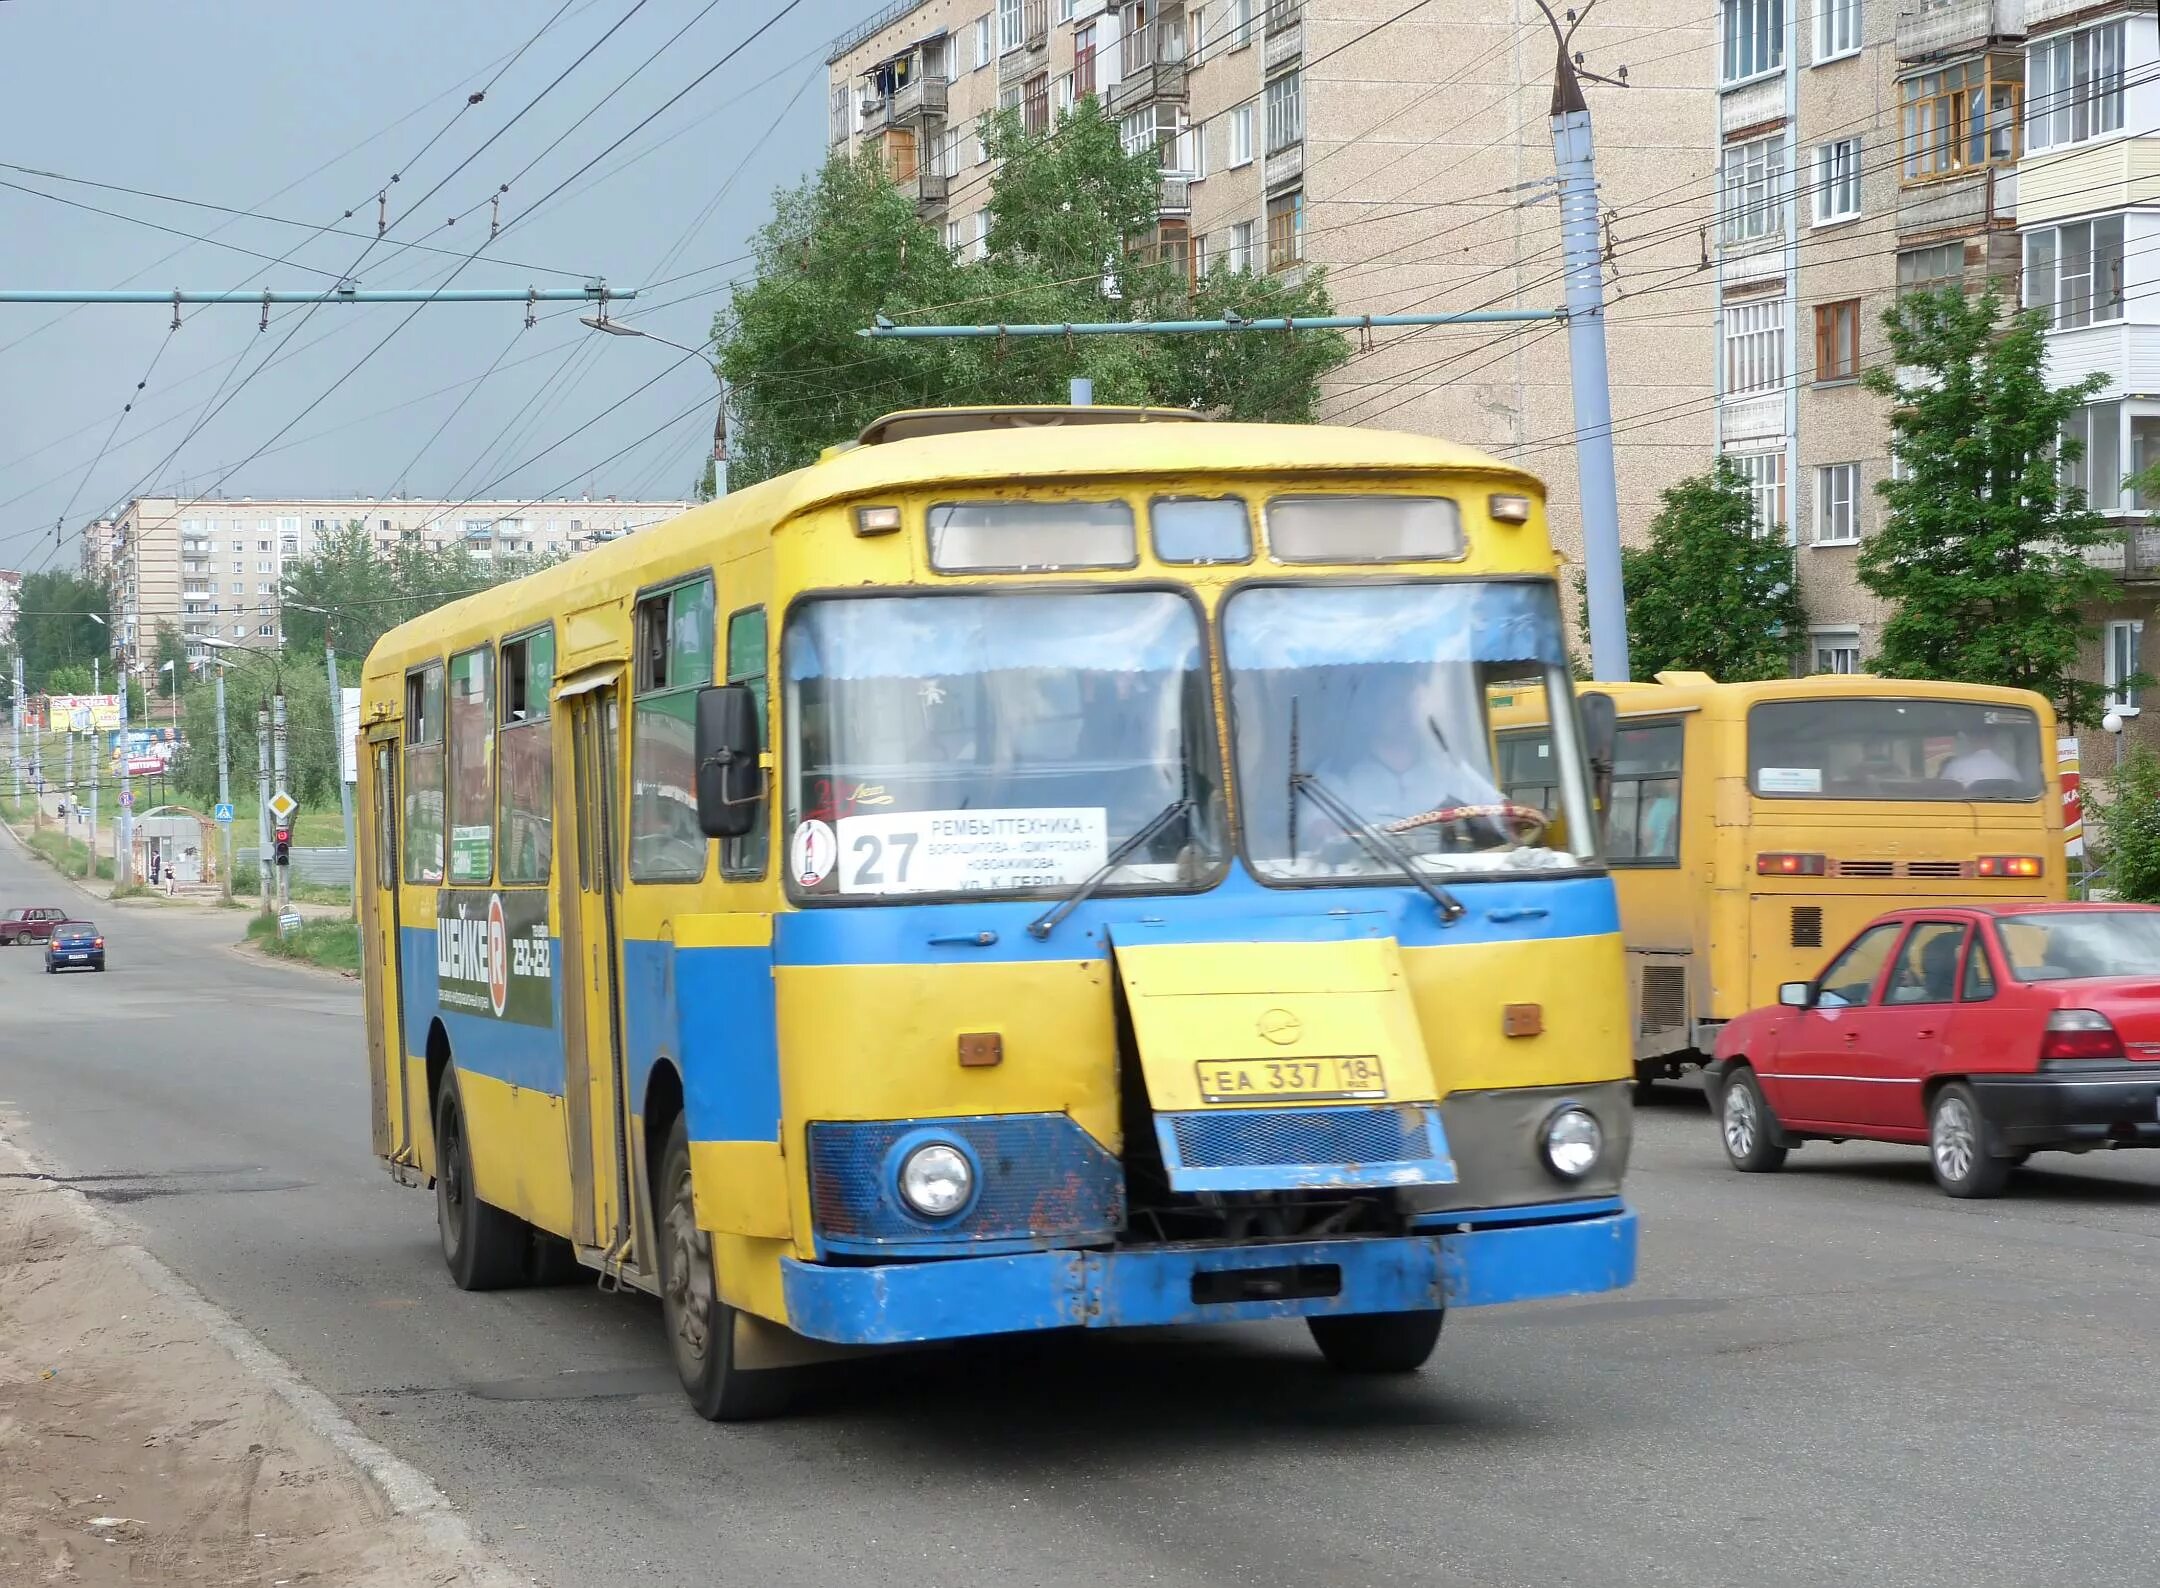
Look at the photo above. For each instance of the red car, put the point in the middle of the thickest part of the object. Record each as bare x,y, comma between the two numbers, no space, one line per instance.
1985,1033
33,924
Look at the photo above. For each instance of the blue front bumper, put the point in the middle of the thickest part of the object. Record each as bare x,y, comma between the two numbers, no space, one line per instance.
890,1303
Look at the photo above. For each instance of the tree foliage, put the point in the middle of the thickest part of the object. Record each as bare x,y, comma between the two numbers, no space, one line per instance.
171,648
2129,828
1071,215
1711,592
365,594
60,624
1981,556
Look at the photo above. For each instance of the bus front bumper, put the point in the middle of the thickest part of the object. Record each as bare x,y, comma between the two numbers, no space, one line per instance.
943,1299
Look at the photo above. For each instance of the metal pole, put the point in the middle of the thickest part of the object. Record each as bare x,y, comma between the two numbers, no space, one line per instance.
97,773
1573,160
124,826
337,715
262,801
224,794
1083,392
16,718
591,293
277,776
1302,322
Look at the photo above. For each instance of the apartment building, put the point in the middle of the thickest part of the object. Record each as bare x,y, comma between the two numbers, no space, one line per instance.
213,568
10,602
1871,150
1412,158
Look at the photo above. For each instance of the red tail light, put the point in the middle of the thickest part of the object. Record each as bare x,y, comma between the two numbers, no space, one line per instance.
2076,1034
2007,866
97,942
1783,865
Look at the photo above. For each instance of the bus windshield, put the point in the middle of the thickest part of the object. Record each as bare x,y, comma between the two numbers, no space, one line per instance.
1892,749
1375,696
954,744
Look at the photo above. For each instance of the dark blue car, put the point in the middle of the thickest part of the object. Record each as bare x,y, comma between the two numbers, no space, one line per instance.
75,945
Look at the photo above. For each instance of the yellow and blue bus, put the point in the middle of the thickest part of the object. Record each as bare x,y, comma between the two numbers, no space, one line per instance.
1032,869
1755,827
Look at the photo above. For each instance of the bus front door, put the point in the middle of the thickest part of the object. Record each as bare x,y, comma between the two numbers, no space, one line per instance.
589,810
376,876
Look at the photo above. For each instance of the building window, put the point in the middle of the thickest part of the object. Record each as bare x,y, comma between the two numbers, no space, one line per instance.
1285,113
1241,148
1961,118
982,41
1084,60
1064,10
1035,103
982,234
1931,269
1237,22
2124,639
1008,17
1285,230
1754,37
1754,184
1836,650
1067,95
2074,273
1837,504
1754,347
1241,254
2094,433
2077,87
1837,341
1837,29
1764,474
1837,181
952,238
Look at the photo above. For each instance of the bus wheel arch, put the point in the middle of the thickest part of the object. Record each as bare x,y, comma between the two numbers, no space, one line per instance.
661,1106
438,1065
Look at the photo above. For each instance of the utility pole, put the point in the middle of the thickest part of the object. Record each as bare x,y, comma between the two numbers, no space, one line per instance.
123,865
1574,164
277,776
97,687
262,801
16,717
224,794
337,716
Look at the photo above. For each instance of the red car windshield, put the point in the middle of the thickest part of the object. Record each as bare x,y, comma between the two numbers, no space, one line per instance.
2081,944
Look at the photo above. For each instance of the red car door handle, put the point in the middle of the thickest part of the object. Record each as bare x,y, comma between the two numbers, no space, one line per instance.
1851,1037
1925,1031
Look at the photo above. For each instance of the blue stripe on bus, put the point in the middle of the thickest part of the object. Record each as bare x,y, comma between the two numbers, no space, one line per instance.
1508,910
731,1080
527,1056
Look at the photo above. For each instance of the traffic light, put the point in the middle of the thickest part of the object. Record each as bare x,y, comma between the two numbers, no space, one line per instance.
281,846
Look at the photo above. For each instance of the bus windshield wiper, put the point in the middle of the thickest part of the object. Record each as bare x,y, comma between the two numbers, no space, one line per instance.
1380,845
1046,923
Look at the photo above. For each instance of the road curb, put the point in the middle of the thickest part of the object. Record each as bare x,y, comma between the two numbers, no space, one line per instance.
247,949
409,1492
35,858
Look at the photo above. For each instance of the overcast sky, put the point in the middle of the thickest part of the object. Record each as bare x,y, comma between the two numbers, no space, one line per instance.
302,112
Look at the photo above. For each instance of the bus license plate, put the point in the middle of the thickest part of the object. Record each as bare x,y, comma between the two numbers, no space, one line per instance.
1247,1080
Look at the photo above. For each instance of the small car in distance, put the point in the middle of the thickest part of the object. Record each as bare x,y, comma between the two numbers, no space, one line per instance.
28,924
1984,1033
75,945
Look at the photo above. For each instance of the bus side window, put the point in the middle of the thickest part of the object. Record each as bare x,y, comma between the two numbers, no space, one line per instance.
525,773
744,857
424,774
674,661
1645,825
472,793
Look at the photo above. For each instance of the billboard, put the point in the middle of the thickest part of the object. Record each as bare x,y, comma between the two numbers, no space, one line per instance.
2066,766
83,713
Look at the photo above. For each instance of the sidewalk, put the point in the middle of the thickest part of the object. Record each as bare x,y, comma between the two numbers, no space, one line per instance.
145,1438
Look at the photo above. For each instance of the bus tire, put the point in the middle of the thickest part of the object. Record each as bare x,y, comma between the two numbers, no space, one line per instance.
483,1247
700,1326
1376,1342
1746,1125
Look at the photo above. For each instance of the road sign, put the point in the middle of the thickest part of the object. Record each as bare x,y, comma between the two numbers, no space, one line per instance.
282,806
127,798
288,923
223,812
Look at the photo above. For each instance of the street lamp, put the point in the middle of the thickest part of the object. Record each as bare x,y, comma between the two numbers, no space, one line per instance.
719,436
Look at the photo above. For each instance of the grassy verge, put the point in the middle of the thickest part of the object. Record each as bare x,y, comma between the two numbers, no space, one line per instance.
329,942
69,856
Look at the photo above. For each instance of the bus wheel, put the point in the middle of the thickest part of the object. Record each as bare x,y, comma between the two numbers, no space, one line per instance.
1745,1124
1376,1342
700,1326
484,1247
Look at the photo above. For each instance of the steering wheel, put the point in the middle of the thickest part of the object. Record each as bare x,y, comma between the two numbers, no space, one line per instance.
1525,823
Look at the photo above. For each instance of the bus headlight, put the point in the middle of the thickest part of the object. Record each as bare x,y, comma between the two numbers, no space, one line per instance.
1574,1141
936,1180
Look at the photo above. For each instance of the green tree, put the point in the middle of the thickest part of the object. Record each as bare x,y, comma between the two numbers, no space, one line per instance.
1072,220
74,678
171,648
2129,828
356,594
1982,555
62,621
1711,592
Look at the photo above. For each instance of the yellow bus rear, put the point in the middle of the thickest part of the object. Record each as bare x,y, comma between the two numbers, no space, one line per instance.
1024,871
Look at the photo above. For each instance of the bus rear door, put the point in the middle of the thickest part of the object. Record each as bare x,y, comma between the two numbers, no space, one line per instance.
377,878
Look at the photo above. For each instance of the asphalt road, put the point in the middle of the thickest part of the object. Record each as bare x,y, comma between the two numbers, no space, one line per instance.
1834,1375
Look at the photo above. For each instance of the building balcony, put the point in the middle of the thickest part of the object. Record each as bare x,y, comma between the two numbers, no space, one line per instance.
195,592
1753,417
1143,85
2133,556
1968,202
1930,29
1176,194
1283,15
2127,353
1035,23
931,187
1283,45
1284,167
910,103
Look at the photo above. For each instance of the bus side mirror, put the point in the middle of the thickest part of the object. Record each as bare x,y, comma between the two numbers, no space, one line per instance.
1600,728
729,783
